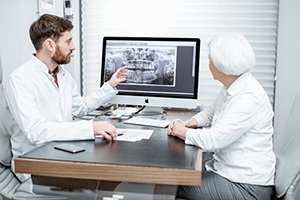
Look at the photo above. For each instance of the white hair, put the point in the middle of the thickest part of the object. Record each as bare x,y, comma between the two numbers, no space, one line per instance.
231,53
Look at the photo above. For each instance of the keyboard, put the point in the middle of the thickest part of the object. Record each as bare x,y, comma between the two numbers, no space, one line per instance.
147,122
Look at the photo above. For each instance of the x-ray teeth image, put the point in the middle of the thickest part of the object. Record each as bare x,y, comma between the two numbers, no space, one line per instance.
145,65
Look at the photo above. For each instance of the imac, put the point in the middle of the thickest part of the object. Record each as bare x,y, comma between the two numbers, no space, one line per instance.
162,72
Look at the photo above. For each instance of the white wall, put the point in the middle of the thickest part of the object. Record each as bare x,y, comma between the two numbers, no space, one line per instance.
288,60
15,45
17,15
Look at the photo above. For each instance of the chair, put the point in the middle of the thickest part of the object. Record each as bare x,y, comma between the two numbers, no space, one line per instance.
287,149
10,186
8,182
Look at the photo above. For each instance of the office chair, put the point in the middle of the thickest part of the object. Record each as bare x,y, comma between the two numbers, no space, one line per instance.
10,186
8,181
287,149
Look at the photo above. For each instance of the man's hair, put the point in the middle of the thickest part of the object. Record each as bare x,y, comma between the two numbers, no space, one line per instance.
48,26
231,53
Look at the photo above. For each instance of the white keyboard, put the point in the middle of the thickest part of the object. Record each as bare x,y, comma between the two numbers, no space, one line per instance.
147,122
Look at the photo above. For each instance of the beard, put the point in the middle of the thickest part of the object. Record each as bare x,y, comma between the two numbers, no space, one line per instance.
60,58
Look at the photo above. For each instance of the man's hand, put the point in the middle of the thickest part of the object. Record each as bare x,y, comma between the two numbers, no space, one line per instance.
106,129
118,77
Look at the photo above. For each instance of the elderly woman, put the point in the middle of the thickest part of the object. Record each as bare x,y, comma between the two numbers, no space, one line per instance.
237,129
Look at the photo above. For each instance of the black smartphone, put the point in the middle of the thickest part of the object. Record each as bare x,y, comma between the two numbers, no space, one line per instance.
71,148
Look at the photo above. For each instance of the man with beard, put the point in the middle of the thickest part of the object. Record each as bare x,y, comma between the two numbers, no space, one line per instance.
43,96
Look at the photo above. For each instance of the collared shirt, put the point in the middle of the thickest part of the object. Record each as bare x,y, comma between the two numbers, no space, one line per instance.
54,75
45,112
238,129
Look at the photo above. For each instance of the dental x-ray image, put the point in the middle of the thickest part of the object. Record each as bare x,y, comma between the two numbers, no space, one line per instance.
154,66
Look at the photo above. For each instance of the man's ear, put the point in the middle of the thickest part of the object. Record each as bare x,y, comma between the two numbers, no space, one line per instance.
49,44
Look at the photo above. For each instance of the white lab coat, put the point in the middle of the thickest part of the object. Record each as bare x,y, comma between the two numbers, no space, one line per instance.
45,112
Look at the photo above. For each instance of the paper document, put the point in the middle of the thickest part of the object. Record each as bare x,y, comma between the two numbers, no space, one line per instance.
133,135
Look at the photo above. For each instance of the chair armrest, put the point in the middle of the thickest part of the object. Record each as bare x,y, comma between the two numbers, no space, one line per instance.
293,192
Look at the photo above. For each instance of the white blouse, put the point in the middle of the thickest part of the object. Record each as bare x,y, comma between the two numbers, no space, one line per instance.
238,129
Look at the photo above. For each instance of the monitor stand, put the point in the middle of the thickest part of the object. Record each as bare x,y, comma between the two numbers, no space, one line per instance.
151,111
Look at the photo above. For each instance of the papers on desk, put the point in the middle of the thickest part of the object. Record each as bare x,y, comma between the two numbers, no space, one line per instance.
133,135
130,135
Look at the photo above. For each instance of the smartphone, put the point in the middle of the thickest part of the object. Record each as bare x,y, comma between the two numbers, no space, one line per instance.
71,148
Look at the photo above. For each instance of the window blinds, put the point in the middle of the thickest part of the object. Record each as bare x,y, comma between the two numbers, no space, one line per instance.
255,19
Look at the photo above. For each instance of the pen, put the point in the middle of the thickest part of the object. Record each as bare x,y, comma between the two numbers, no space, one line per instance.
101,136
113,117
119,134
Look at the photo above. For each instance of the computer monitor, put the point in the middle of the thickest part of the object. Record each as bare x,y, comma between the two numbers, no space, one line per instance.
162,72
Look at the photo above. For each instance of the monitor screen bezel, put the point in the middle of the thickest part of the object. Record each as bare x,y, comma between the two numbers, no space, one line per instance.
197,41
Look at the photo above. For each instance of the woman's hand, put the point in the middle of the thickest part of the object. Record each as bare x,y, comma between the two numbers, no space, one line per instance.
177,128
191,123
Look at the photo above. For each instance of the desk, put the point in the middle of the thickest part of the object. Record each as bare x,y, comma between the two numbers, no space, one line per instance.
160,160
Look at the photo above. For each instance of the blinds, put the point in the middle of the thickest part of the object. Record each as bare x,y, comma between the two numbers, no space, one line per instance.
255,19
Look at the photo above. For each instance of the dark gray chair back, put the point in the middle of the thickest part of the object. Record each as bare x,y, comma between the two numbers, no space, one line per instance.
6,121
287,150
